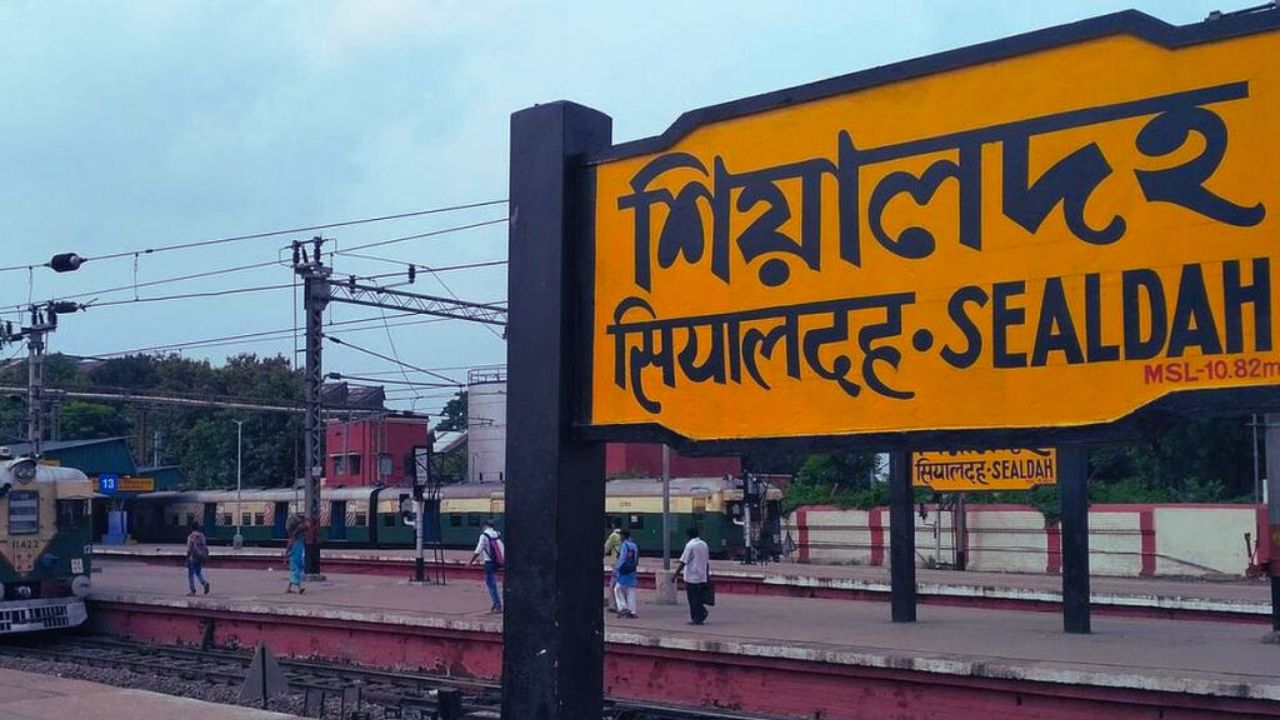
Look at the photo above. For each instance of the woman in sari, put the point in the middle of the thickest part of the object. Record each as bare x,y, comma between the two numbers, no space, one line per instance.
294,552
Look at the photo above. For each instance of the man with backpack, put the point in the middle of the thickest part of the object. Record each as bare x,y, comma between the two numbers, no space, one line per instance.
197,555
489,549
624,575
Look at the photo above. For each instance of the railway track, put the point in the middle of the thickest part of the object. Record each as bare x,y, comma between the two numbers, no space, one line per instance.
329,690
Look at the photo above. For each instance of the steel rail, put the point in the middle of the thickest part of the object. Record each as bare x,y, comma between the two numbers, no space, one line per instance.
397,690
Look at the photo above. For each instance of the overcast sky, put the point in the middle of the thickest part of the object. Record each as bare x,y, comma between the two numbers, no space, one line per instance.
129,125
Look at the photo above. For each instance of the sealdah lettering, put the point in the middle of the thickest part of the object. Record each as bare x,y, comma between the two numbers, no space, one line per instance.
1022,469
1158,318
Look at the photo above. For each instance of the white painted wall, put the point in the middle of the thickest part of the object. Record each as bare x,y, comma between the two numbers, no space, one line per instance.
1188,540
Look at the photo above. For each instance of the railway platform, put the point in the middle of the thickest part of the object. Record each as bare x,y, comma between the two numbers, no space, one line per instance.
1229,600
774,656
32,696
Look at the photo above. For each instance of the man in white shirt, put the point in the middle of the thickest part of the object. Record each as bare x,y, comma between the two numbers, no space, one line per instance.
489,548
695,564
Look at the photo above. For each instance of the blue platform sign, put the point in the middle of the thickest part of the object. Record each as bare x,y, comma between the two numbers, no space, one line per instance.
108,483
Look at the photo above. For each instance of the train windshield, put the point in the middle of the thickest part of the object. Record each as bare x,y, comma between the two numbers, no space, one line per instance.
24,512
71,513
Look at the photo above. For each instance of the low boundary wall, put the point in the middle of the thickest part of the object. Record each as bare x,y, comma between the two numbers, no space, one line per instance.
1146,540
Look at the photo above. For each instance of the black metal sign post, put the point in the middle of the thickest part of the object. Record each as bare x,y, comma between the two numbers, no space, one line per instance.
1073,477
902,539
1273,511
553,637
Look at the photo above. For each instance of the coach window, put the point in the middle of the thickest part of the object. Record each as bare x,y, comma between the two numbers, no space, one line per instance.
455,520
353,464
191,519
259,519
227,520
339,465
24,512
473,520
386,465
389,520
246,519
361,519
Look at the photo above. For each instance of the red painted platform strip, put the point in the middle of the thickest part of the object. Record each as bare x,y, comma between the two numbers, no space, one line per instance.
751,684
875,522
1053,556
802,526
1147,528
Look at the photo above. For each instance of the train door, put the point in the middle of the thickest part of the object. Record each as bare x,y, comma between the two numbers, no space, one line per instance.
210,522
338,520
280,518
431,521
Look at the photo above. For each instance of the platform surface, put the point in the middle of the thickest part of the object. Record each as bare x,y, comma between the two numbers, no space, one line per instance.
31,696
1227,595
1203,658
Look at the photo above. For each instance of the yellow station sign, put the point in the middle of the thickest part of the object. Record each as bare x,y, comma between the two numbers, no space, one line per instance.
129,485
976,471
1055,238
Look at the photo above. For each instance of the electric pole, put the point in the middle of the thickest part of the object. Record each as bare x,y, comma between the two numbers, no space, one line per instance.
318,291
41,323
43,320
315,297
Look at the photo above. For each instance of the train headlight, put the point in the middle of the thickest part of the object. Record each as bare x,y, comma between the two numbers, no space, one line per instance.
24,592
80,586
24,470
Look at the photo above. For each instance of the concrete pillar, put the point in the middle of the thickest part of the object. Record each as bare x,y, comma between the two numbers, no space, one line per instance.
664,591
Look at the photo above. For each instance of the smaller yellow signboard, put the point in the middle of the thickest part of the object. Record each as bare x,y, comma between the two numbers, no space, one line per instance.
129,485
983,470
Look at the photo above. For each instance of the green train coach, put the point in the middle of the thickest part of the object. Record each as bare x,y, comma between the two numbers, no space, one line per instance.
377,516
45,546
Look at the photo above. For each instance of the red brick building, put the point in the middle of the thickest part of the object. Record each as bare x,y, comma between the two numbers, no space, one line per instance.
376,451
645,460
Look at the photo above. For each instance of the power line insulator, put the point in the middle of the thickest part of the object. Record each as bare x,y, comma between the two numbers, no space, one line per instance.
66,262
413,273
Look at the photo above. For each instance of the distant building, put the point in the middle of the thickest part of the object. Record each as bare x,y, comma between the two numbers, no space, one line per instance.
372,451
645,460
486,441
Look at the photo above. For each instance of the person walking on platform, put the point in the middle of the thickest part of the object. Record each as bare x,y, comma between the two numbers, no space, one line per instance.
695,563
624,575
197,555
611,545
295,552
489,548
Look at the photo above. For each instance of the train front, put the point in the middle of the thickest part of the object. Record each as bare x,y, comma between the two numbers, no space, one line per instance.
45,544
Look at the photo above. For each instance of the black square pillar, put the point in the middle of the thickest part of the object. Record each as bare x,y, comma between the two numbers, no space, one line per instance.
553,633
902,539
1073,483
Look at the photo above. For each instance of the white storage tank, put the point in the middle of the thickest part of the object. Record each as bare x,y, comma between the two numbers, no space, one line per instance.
487,425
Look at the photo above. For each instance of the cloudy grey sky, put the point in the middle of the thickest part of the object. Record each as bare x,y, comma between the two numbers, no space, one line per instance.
132,124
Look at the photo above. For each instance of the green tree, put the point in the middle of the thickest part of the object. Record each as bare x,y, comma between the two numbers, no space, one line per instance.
83,420
454,415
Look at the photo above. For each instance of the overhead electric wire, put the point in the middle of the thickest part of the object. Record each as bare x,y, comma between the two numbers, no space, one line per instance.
367,351
187,296
418,236
272,233
359,378
254,266
421,266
